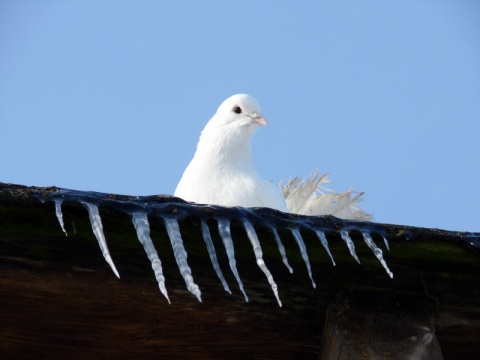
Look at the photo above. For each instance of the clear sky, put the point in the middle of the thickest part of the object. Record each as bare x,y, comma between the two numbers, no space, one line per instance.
111,96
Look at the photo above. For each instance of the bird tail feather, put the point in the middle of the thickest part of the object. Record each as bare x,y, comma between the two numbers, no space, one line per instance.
310,197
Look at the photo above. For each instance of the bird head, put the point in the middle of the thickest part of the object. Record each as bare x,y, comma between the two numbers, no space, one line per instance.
228,133
238,111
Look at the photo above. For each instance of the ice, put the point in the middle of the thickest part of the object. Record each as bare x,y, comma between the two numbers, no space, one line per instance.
386,242
97,228
303,252
58,211
141,209
348,240
180,254
376,250
252,235
140,222
224,230
281,248
323,240
213,255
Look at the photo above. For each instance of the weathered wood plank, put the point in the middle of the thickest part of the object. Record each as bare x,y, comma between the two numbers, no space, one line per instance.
59,298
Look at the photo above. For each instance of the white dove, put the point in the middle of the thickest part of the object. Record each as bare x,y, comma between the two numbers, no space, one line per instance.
222,171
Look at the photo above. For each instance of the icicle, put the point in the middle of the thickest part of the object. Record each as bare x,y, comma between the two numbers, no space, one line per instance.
97,228
252,235
324,242
74,227
180,254
348,240
386,242
224,230
142,226
58,211
213,255
303,251
281,248
376,250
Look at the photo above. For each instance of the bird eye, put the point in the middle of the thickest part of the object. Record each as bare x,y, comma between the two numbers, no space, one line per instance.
237,110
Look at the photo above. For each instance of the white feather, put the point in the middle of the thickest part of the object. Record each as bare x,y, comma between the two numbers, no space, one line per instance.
309,197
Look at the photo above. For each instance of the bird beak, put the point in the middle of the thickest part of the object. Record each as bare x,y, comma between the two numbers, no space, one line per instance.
257,118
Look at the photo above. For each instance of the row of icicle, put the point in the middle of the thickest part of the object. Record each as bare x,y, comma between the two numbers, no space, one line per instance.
142,227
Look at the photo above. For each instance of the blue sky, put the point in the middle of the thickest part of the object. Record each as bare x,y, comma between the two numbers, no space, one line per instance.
111,96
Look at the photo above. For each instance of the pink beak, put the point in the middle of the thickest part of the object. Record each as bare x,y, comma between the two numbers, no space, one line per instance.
259,120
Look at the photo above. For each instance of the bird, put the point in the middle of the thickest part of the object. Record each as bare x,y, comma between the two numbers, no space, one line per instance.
222,171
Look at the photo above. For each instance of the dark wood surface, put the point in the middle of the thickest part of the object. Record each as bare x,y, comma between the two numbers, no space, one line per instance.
59,299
